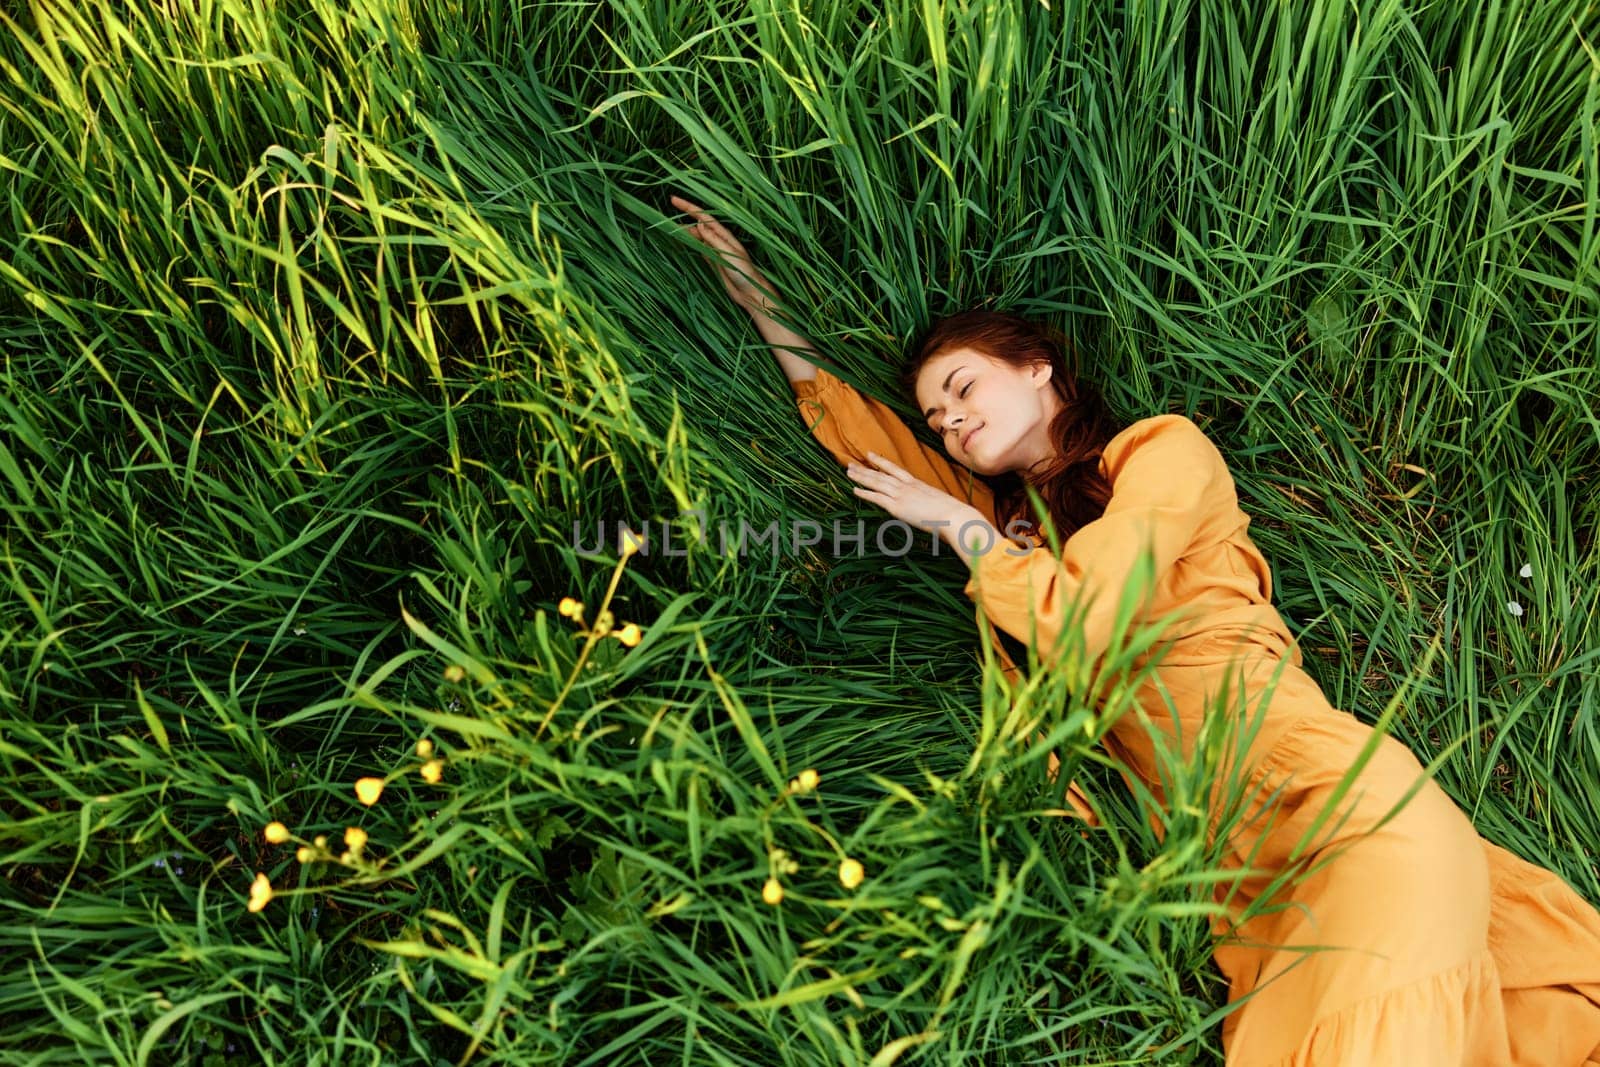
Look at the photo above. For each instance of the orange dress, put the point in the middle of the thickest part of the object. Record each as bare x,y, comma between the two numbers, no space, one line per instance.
1435,946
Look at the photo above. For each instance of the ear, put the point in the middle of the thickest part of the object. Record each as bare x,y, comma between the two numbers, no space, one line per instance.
1039,373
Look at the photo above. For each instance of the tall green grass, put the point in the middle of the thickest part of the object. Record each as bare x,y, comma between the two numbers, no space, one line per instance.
324,324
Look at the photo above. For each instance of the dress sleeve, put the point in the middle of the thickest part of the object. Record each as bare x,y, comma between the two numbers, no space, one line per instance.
850,424
1166,481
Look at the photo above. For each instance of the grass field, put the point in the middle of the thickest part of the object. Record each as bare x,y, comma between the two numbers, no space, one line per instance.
323,324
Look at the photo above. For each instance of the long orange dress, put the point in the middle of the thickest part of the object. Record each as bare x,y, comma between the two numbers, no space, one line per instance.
1436,946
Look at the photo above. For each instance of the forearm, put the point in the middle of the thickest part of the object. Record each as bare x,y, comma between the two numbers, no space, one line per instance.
751,291
787,347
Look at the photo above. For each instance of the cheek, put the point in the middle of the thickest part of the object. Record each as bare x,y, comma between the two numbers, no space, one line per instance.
997,407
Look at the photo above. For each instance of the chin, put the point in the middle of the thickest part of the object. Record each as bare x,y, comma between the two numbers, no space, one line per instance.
988,470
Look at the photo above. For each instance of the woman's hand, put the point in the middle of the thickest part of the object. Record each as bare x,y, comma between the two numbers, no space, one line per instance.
916,502
747,286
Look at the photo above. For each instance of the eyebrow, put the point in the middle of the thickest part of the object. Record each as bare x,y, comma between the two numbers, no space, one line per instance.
944,388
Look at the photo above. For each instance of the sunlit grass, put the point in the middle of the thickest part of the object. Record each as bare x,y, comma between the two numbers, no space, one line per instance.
323,325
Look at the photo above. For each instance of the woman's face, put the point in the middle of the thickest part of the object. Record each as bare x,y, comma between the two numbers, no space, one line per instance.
992,416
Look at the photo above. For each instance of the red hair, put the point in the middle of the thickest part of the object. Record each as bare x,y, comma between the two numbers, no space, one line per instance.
1073,489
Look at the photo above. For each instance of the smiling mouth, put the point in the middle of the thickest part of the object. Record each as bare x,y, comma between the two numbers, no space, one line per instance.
968,436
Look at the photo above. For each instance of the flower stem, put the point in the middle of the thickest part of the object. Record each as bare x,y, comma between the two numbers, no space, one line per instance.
588,646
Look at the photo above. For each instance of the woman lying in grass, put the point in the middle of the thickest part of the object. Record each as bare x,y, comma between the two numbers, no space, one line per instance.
1442,948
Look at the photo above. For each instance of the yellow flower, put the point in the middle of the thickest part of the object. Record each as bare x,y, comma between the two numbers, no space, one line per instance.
321,842
260,892
276,833
629,634
424,748
432,771
303,854
631,542
772,892
355,837
454,673
808,780
851,873
570,608
368,790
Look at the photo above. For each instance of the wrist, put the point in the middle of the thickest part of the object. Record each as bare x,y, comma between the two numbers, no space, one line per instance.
759,304
970,534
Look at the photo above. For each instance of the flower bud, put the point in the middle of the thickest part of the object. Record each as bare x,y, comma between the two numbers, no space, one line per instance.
368,790
851,873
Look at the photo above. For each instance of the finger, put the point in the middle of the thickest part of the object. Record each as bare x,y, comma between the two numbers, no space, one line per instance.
869,477
889,466
694,209
708,233
704,217
884,487
717,243
721,241
693,230
718,237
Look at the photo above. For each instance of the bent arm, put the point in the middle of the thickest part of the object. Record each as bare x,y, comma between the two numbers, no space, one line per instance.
850,424
1167,486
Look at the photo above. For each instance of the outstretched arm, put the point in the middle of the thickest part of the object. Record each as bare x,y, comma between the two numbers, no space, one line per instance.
848,423
750,289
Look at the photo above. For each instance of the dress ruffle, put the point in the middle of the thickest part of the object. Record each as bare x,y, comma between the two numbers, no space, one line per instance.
1478,958
1382,1031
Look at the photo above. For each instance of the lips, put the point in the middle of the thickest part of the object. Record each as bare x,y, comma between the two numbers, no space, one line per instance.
968,436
